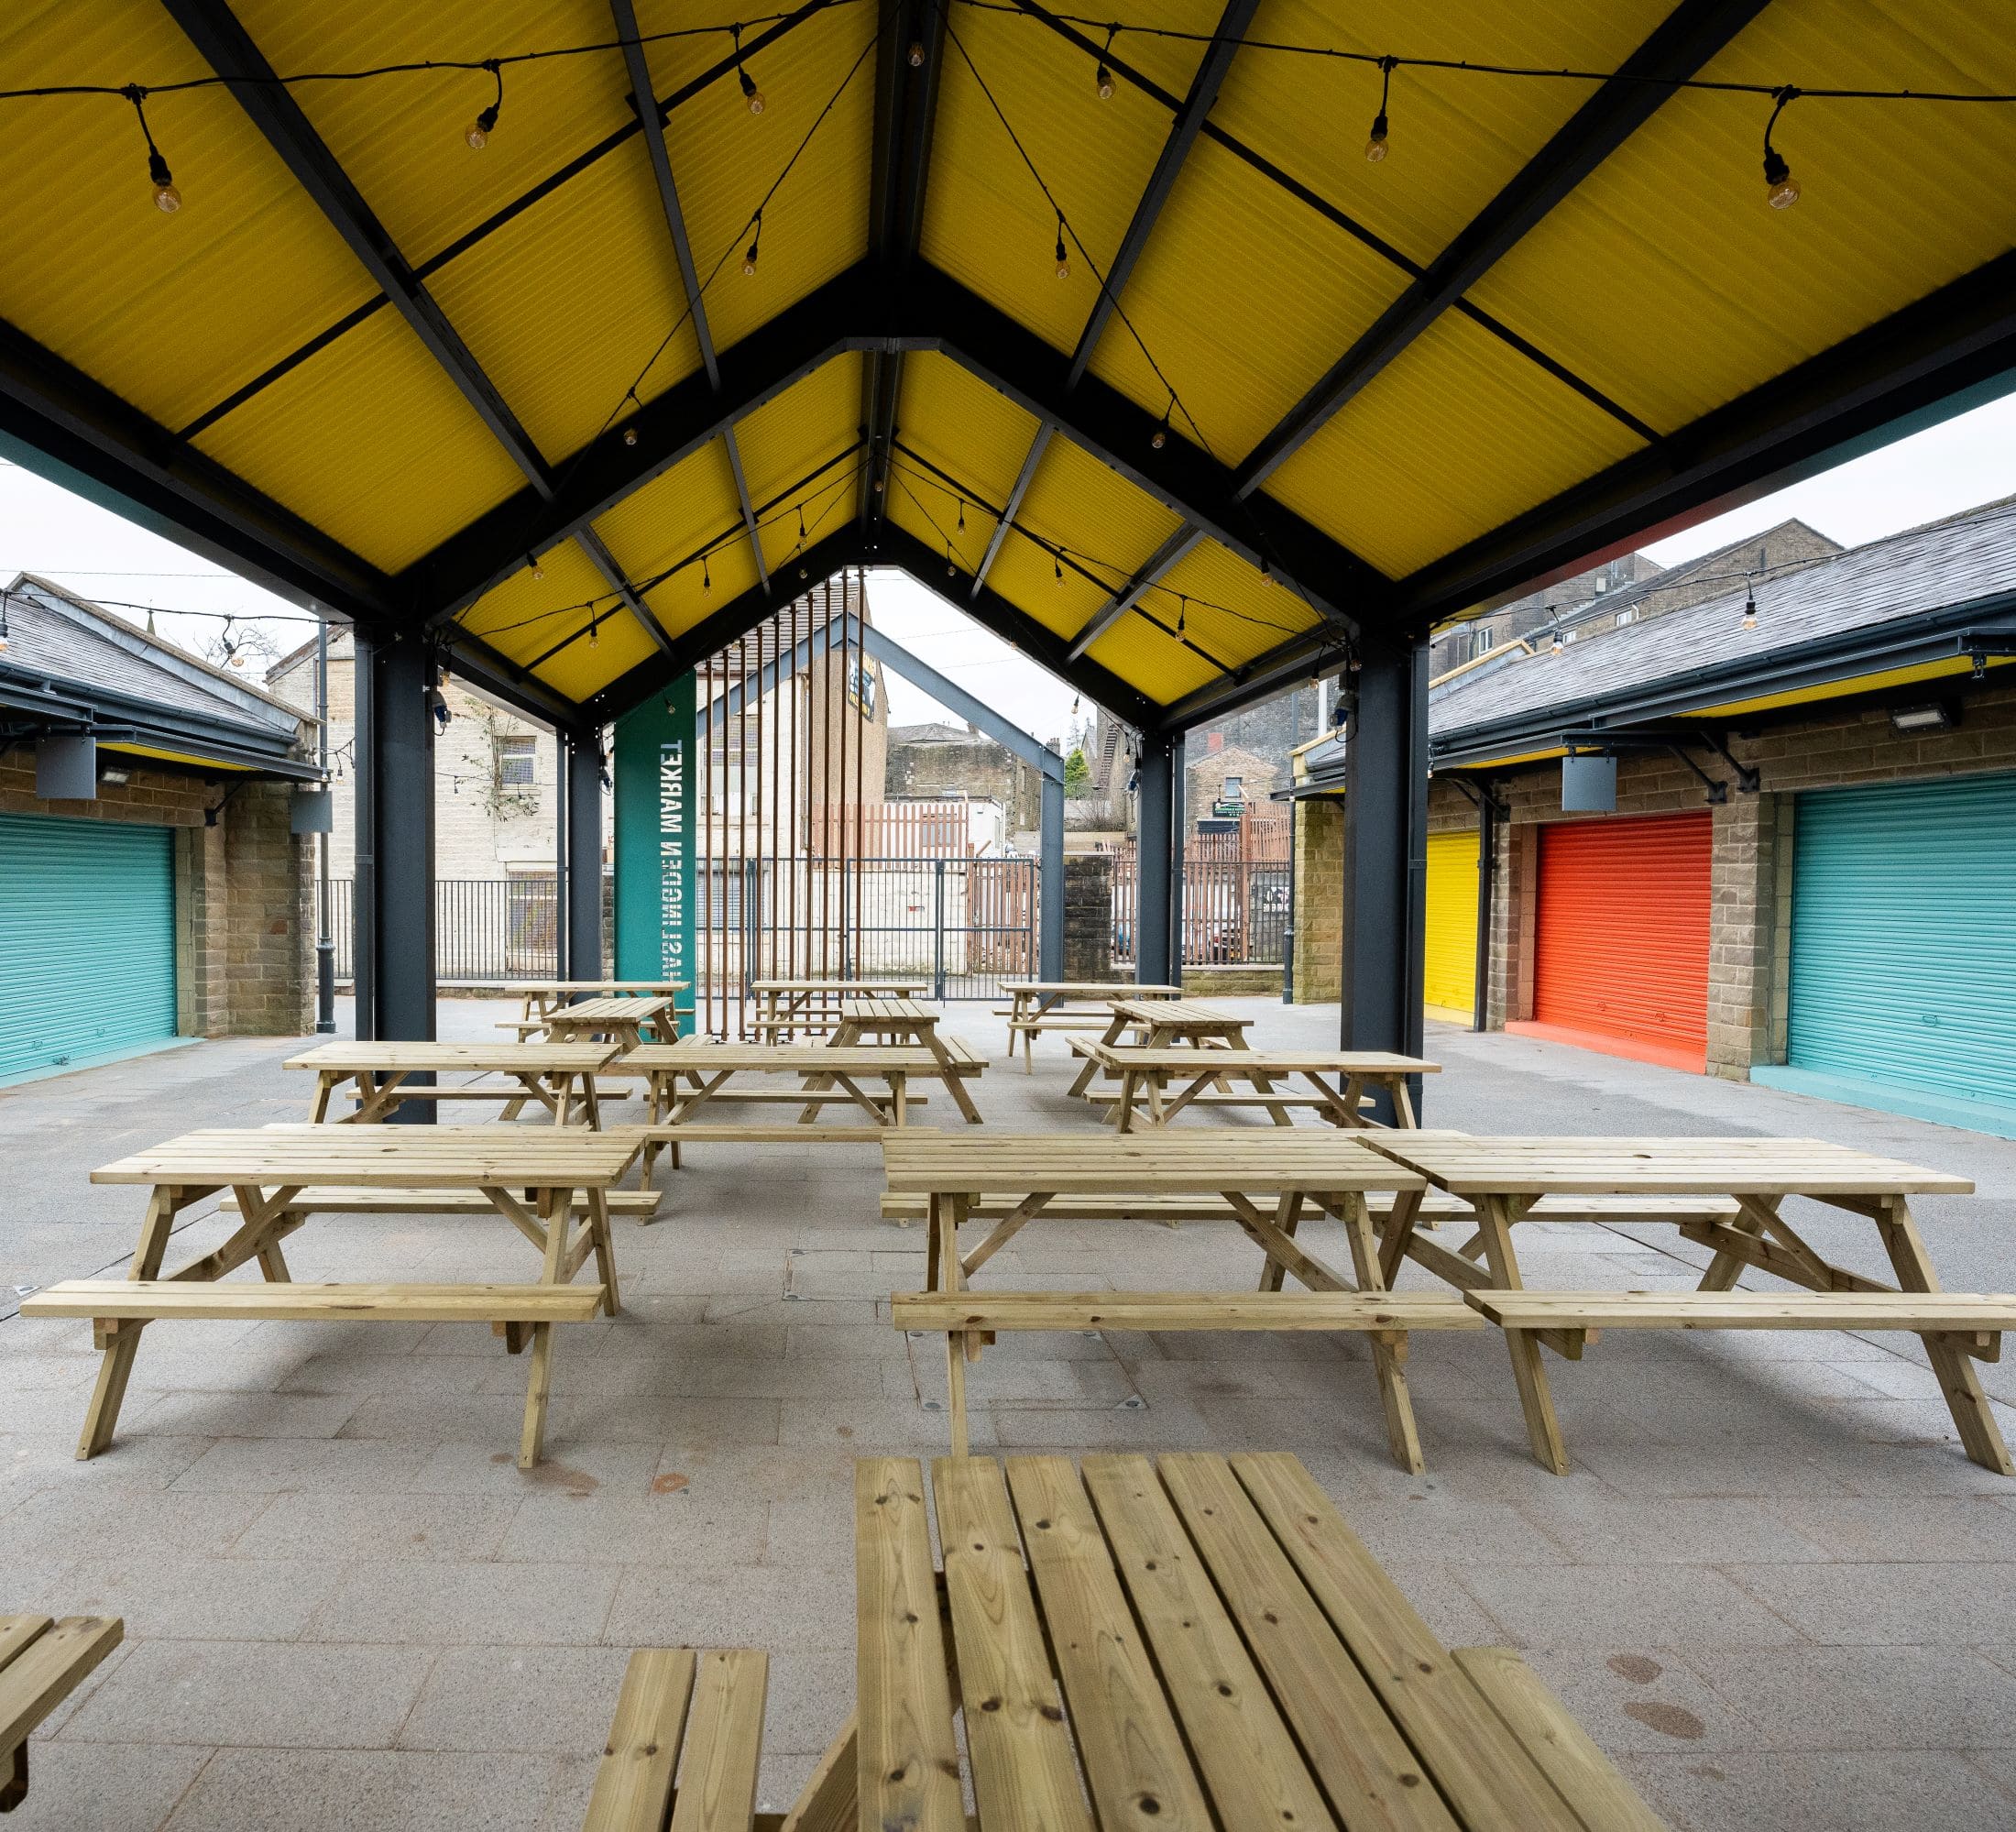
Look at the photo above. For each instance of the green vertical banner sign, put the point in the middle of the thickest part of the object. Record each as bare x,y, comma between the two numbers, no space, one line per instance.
654,825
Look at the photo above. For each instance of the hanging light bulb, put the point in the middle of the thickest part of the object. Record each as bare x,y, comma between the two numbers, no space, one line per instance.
1375,141
1160,438
1063,260
750,253
750,93
800,524
916,54
630,435
1074,706
1781,188
1266,570
167,199
477,135
539,570
1182,614
594,632
706,576
962,515
1749,606
951,572
1057,565
1555,647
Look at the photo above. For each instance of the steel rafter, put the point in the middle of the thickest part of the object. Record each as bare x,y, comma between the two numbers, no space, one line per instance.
645,102
910,62
1686,40
1146,576
229,49
1183,131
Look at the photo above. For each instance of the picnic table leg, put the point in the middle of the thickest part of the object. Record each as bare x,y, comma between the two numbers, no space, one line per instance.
958,1343
1535,1399
1388,1346
1287,1217
955,1083
1403,1102
605,1250
122,1336
1980,1436
325,1085
899,1098
252,1207
1111,1035
532,1441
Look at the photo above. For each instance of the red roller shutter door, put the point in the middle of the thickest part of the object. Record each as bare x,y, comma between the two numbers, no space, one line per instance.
1621,959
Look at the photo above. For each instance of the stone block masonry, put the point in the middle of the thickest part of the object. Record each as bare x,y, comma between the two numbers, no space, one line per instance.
1318,850
1089,916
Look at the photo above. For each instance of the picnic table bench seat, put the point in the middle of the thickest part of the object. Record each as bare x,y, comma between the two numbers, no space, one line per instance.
686,1742
1375,1312
642,1203
42,1661
904,1207
1977,1318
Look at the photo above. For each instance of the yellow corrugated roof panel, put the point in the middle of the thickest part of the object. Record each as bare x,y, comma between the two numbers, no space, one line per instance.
400,138
788,438
1456,435
1232,250
523,617
1152,659
826,503
566,305
372,442
1075,503
1666,279
986,221
1024,574
97,274
1455,137
674,516
589,664
953,419
723,160
1231,610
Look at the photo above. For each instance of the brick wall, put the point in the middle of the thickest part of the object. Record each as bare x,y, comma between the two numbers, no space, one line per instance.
244,890
1319,847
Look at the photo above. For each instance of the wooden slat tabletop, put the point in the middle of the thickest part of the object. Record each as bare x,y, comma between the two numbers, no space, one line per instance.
622,1009
506,1058
784,1059
1065,1163
897,986
869,1012
456,1158
1469,1165
1089,988
1269,1061
1202,1644
1179,1014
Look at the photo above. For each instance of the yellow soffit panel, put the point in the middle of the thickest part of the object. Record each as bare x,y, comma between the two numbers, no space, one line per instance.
97,274
673,517
951,417
176,757
986,220
1666,279
725,158
1153,659
523,617
787,439
564,354
1455,436
1455,137
1244,299
1228,607
1498,763
590,663
372,442
401,138
1855,683
1024,574
1096,515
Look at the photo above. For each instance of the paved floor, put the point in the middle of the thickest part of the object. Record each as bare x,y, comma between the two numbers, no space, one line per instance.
1771,1587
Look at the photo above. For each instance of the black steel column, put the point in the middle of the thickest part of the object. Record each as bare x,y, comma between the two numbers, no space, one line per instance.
1158,858
1050,880
395,866
1385,852
583,767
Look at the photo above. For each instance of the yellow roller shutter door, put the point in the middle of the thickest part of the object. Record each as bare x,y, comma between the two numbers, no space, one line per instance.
1449,982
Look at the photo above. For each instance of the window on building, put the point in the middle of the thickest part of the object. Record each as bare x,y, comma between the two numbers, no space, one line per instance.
517,761
1235,788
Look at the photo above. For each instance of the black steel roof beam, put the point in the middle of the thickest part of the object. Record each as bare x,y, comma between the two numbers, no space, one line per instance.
1298,658
911,62
644,101
503,679
670,427
1147,575
1184,129
1012,506
1923,363
60,424
229,49
940,313
1684,41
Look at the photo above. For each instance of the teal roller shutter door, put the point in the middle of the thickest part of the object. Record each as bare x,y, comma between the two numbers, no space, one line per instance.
1903,969
87,940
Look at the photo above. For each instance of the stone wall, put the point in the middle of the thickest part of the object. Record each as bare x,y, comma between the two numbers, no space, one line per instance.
1089,916
1319,848
977,766
244,890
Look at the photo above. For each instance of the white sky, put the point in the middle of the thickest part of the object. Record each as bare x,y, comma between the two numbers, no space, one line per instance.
1967,460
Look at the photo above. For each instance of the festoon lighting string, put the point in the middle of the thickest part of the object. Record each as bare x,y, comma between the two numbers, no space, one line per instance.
1782,190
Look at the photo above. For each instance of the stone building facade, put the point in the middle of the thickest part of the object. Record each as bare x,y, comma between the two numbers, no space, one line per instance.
925,762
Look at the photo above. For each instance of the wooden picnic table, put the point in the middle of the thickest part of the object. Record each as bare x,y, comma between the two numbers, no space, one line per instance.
903,1022
1324,1170
42,1661
1145,1074
530,1176
785,1007
1067,1005
620,1016
557,1076
1162,1024
1503,1177
1197,1642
